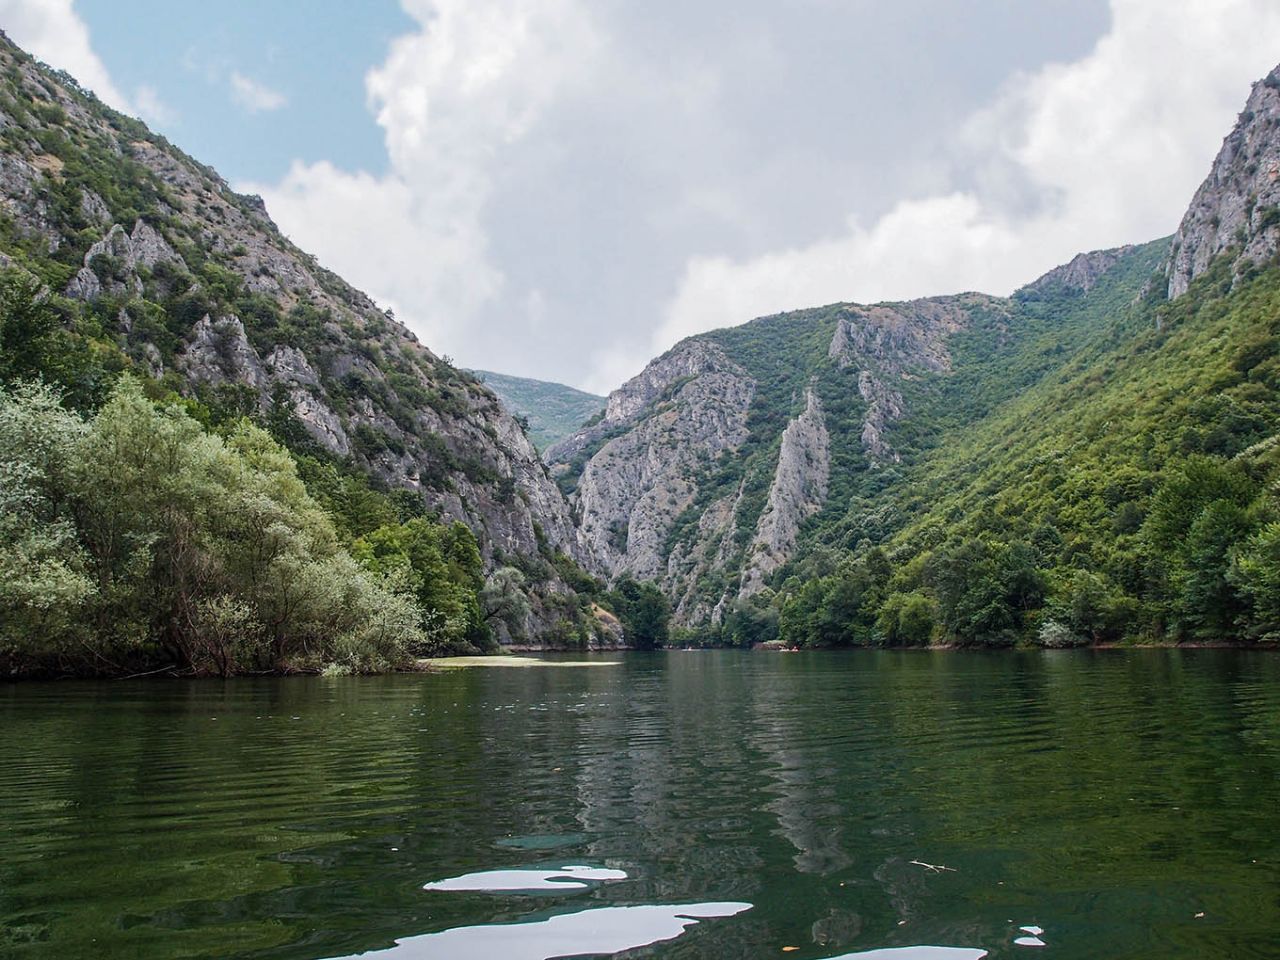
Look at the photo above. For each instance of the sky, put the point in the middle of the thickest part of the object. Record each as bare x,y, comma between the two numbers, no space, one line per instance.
563,189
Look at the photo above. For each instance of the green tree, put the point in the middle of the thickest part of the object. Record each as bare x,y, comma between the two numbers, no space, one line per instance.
44,584
503,600
1209,600
443,570
644,611
907,619
35,343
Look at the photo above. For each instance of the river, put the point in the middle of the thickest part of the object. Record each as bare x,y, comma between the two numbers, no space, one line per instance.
714,804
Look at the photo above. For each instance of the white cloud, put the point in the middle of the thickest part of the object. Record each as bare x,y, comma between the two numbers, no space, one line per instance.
152,108
52,31
254,96
1094,153
451,98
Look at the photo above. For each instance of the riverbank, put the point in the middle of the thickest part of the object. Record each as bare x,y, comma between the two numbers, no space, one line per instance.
525,656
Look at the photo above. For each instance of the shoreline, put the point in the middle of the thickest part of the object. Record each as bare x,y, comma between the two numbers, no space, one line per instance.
508,656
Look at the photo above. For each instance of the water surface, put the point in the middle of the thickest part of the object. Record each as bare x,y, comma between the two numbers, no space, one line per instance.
681,805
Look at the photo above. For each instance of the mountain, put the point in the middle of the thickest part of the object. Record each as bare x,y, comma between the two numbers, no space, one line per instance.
710,468
158,266
1236,211
1090,459
550,411
823,474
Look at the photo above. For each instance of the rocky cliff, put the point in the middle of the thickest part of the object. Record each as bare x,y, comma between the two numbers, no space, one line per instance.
671,422
1077,276
707,466
798,491
1237,208
200,291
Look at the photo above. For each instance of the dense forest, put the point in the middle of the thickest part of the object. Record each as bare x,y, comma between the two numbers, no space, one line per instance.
1127,494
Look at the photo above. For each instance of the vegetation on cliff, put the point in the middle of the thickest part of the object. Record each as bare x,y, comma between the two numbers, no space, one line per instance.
1127,494
549,411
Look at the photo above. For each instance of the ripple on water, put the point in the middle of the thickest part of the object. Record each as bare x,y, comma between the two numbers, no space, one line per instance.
541,841
605,930
916,953
573,877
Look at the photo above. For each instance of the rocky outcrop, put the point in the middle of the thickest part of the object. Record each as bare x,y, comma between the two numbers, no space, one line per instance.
1078,276
798,491
688,359
218,352
888,343
1237,208
111,265
635,486
710,556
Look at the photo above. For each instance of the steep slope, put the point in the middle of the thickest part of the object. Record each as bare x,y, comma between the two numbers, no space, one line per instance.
1237,208
1110,478
195,287
550,411
741,451
708,469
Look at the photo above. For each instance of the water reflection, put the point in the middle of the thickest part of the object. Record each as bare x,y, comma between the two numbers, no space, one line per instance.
528,880
541,841
1124,797
606,930
916,953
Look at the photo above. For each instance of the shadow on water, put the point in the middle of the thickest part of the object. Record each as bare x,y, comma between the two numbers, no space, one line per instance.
1105,804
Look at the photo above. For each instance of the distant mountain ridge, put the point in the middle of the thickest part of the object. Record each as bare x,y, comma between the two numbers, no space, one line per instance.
551,411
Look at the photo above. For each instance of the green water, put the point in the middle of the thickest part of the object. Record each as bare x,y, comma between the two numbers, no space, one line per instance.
737,803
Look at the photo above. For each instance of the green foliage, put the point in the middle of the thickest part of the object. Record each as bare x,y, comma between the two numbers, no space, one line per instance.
907,619
1100,474
442,568
751,621
36,342
550,411
504,601
138,539
644,610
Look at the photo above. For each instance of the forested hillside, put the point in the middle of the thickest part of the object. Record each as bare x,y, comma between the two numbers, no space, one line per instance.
1086,461
224,386
1127,495
549,411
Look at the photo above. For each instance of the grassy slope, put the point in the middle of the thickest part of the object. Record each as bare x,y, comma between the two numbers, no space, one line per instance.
552,410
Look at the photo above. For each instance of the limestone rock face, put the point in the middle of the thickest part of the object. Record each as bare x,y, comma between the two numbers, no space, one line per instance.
1237,207
219,352
118,255
889,342
703,471
798,491
635,486
288,364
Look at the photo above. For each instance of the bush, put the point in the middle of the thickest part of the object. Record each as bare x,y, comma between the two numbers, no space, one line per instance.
140,537
1055,635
